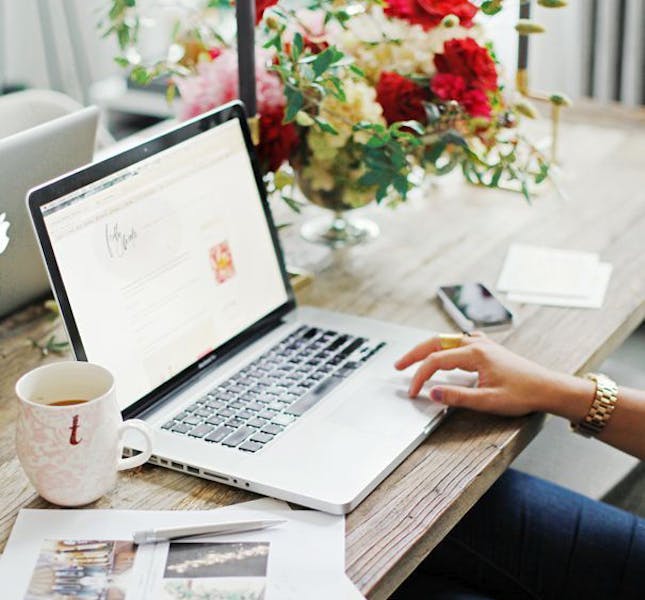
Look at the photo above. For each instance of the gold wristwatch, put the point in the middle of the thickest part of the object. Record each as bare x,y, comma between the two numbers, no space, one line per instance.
601,408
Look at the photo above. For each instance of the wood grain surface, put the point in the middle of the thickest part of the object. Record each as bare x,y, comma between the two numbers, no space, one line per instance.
450,232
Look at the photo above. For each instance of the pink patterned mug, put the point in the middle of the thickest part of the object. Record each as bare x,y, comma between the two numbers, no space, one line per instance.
71,452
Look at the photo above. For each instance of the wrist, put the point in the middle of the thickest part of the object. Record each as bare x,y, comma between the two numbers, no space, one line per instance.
569,397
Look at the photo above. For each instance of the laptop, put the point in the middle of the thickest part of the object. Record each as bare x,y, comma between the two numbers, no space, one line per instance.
168,270
29,158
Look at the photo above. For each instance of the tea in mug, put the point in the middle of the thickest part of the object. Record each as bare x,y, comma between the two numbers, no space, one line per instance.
66,402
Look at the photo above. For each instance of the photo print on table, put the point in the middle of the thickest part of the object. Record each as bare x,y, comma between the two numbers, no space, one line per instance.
221,259
216,571
82,570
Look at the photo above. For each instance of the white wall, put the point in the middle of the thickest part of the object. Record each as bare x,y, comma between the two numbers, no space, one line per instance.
556,57
22,41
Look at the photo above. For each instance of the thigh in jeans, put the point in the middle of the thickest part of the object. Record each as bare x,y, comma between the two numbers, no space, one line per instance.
527,538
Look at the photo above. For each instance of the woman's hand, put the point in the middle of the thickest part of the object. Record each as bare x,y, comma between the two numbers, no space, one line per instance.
508,384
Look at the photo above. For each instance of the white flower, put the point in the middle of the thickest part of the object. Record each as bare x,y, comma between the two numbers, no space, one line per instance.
381,43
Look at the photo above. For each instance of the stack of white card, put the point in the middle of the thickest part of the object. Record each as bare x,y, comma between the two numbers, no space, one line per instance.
538,275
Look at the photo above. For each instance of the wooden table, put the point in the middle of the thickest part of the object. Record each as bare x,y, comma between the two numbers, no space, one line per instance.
453,233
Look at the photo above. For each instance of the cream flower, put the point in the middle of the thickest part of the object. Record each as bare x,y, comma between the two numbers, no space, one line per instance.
360,105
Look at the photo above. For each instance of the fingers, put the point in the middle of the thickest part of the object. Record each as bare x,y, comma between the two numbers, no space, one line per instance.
456,358
464,397
423,349
418,353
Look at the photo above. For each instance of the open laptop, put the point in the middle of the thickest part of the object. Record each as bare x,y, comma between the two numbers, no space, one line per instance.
29,158
168,271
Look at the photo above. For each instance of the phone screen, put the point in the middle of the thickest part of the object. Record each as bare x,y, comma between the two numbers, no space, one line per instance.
477,304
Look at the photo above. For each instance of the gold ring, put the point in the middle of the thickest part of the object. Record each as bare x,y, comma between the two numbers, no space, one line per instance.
450,340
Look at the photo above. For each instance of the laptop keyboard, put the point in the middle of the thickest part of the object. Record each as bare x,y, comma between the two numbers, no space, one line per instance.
250,409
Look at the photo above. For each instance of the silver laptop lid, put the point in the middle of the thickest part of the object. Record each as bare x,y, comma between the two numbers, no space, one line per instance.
27,159
164,255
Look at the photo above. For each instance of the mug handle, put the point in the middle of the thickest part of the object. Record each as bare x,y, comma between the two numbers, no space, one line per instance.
137,460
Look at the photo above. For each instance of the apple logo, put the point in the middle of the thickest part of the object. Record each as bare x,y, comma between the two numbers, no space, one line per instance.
4,236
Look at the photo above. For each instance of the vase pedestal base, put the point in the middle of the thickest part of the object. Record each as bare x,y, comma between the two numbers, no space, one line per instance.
338,231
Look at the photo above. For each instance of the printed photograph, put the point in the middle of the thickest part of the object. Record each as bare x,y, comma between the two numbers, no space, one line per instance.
216,571
82,570
221,259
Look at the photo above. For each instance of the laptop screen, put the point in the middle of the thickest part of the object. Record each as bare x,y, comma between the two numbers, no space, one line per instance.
167,259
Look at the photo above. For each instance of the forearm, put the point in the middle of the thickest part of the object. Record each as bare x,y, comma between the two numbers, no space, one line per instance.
570,397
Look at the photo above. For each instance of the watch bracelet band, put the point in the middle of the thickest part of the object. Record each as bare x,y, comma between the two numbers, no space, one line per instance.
601,408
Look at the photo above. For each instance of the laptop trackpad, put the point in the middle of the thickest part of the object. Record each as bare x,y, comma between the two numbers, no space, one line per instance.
382,405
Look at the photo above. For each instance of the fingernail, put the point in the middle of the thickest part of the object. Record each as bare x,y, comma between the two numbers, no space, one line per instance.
436,393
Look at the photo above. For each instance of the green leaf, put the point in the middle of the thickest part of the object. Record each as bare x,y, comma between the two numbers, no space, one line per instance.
323,61
401,185
121,61
338,91
494,182
296,49
413,125
325,125
543,174
371,178
140,75
123,37
175,30
295,100
376,142
292,203
432,112
305,60
273,42
171,91
367,126
452,137
491,7
434,152
357,71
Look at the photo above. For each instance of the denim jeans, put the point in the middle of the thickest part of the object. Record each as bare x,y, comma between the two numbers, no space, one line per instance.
530,539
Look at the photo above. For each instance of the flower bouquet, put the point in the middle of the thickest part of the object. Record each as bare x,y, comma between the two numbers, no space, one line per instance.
354,100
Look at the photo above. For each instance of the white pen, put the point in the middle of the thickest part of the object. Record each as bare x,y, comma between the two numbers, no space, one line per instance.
151,536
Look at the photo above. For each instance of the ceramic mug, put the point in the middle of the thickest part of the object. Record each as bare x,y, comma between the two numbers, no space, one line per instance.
69,433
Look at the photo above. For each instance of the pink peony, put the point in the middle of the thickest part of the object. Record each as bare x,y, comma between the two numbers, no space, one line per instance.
216,83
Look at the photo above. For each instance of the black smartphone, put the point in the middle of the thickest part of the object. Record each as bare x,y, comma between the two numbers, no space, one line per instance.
473,306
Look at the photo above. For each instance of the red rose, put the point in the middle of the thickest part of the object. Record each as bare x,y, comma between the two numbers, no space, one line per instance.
277,141
476,103
453,87
401,99
403,9
447,86
261,6
429,13
466,58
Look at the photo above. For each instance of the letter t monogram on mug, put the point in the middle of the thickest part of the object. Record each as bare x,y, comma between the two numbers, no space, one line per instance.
69,433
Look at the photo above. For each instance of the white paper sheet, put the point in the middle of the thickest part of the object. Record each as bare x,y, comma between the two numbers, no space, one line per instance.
304,558
548,271
595,300
350,592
